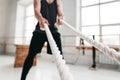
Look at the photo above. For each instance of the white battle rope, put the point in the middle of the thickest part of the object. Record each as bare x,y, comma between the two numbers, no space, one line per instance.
103,48
61,65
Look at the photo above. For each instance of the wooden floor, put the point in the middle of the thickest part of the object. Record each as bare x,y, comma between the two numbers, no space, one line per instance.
46,70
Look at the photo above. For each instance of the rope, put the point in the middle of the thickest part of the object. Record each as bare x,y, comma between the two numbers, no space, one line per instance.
103,48
61,65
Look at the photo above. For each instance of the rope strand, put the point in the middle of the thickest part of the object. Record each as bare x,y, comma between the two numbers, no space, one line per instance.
61,65
103,48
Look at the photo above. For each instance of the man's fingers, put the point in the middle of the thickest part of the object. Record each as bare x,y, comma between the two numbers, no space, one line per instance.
47,22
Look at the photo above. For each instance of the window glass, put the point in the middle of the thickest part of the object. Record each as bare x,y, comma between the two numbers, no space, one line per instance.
89,2
110,13
90,16
90,30
30,23
29,10
28,35
111,40
111,30
111,35
106,0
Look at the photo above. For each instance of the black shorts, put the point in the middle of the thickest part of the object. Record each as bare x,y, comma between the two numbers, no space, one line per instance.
39,38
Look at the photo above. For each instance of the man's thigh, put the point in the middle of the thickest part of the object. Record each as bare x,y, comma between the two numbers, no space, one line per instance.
37,42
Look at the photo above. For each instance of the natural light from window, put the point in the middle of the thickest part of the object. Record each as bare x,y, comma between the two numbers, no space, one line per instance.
99,19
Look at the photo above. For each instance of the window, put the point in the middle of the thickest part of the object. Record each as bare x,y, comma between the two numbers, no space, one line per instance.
30,22
101,17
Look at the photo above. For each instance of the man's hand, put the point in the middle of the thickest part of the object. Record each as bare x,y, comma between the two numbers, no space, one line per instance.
59,23
43,21
60,13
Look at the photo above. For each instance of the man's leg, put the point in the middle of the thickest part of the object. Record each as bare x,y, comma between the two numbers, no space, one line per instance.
27,64
57,39
36,45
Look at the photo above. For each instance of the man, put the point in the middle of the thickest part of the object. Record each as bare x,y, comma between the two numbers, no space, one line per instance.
46,11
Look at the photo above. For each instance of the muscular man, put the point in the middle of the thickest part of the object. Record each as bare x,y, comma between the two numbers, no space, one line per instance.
49,12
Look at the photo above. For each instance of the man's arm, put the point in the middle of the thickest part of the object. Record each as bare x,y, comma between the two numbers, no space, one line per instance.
37,7
59,8
38,15
60,13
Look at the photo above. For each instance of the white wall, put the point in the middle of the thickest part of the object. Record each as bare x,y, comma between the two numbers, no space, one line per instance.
3,9
7,23
69,10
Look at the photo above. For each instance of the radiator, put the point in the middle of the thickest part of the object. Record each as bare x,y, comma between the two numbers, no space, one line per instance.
106,59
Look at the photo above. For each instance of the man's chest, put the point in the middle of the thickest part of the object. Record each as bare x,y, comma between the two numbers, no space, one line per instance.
49,1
